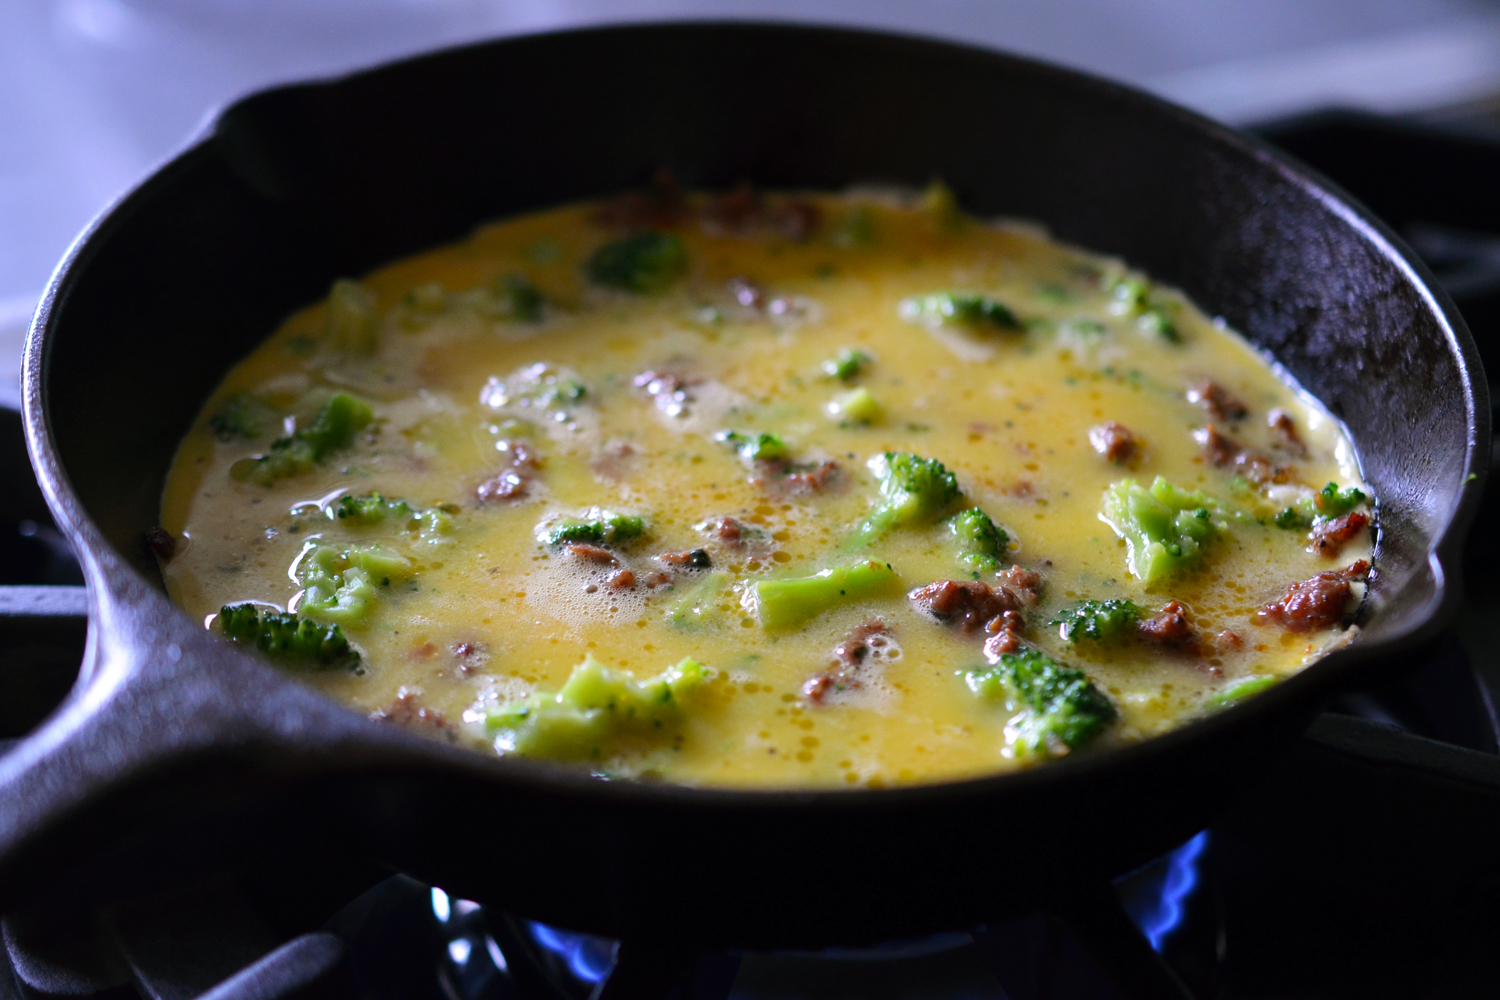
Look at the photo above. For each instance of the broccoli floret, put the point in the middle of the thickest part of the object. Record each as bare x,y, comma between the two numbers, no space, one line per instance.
1060,709
290,638
1165,527
597,713
1157,322
432,525
1291,519
762,447
596,527
913,491
340,585
1237,691
786,603
351,318
1331,501
1132,297
980,540
645,262
519,298
331,430
1096,620
857,406
372,508
964,308
848,364
242,417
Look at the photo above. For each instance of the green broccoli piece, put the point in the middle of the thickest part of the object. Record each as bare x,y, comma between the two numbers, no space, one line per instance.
596,527
856,229
645,262
1237,691
1133,298
913,491
1331,501
857,406
848,364
242,417
963,308
1096,620
1157,322
980,540
290,638
331,430
519,298
351,317
1165,528
372,508
597,713
786,603
1291,519
762,447
1060,709
696,606
342,584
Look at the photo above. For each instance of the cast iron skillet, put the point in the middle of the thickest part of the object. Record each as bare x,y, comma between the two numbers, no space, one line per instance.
171,730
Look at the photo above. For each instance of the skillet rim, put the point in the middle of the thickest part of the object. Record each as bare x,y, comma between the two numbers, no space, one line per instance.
100,559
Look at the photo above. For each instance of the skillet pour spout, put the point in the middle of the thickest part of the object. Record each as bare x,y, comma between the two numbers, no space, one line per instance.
178,742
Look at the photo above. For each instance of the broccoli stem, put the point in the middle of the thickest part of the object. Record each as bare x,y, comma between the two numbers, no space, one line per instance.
1237,691
598,712
342,585
855,407
1059,708
787,603
291,639
697,605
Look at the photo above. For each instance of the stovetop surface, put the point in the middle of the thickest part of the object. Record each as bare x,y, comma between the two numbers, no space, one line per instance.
1366,865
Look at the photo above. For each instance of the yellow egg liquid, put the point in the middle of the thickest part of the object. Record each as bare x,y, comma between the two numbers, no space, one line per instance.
488,614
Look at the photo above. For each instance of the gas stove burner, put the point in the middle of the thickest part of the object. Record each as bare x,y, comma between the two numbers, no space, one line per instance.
1362,866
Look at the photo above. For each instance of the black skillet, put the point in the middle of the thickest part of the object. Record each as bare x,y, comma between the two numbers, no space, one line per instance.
177,747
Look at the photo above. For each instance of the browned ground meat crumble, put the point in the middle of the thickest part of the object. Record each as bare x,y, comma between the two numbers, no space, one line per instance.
1319,602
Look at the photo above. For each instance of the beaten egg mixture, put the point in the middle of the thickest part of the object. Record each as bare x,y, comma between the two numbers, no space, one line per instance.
768,490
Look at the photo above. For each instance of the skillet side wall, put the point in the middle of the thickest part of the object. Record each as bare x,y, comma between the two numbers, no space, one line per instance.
298,186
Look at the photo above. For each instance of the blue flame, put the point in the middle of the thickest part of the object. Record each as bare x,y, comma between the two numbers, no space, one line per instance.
589,958
1162,911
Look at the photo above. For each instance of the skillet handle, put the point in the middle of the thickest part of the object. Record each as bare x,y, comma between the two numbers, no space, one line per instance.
119,738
